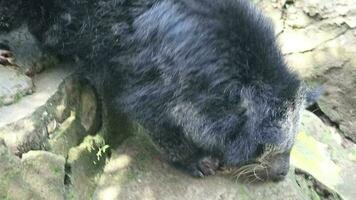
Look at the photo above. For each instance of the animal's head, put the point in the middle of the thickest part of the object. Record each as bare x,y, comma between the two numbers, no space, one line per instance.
262,150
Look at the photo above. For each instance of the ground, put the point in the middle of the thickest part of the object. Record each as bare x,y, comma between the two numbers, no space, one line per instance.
50,144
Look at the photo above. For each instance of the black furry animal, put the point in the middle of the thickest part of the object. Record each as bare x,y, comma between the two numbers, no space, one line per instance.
205,77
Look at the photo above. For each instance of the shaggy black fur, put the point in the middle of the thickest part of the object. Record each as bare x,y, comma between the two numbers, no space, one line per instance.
205,77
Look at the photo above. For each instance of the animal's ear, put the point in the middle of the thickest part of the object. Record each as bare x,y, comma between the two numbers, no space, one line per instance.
312,95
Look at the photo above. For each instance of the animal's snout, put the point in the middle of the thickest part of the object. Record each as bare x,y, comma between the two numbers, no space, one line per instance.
279,176
279,166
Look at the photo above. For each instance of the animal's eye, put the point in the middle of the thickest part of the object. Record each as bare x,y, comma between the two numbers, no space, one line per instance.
270,148
259,150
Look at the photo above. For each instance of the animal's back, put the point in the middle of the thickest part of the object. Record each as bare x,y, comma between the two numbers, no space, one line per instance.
196,56
206,78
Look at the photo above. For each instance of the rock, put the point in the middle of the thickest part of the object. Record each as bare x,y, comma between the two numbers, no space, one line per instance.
13,86
56,118
25,135
323,153
23,126
332,65
303,40
12,184
46,85
27,52
137,171
274,13
296,19
44,173
66,136
327,9
319,42
89,112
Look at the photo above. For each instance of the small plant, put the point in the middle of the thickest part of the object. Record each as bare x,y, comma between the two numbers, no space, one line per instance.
101,152
18,97
1,102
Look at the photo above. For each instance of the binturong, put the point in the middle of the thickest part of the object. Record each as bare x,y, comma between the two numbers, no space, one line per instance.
209,82
206,78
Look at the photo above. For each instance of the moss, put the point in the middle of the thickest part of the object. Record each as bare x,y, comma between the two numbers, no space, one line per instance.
6,197
243,192
56,170
70,194
352,154
2,101
18,96
131,175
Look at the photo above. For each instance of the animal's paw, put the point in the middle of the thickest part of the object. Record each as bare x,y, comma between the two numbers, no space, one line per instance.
204,166
6,55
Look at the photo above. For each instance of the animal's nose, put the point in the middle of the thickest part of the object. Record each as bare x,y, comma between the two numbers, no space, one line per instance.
279,167
279,176
282,173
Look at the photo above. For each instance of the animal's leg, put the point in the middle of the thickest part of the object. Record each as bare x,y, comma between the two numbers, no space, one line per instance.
183,154
6,55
